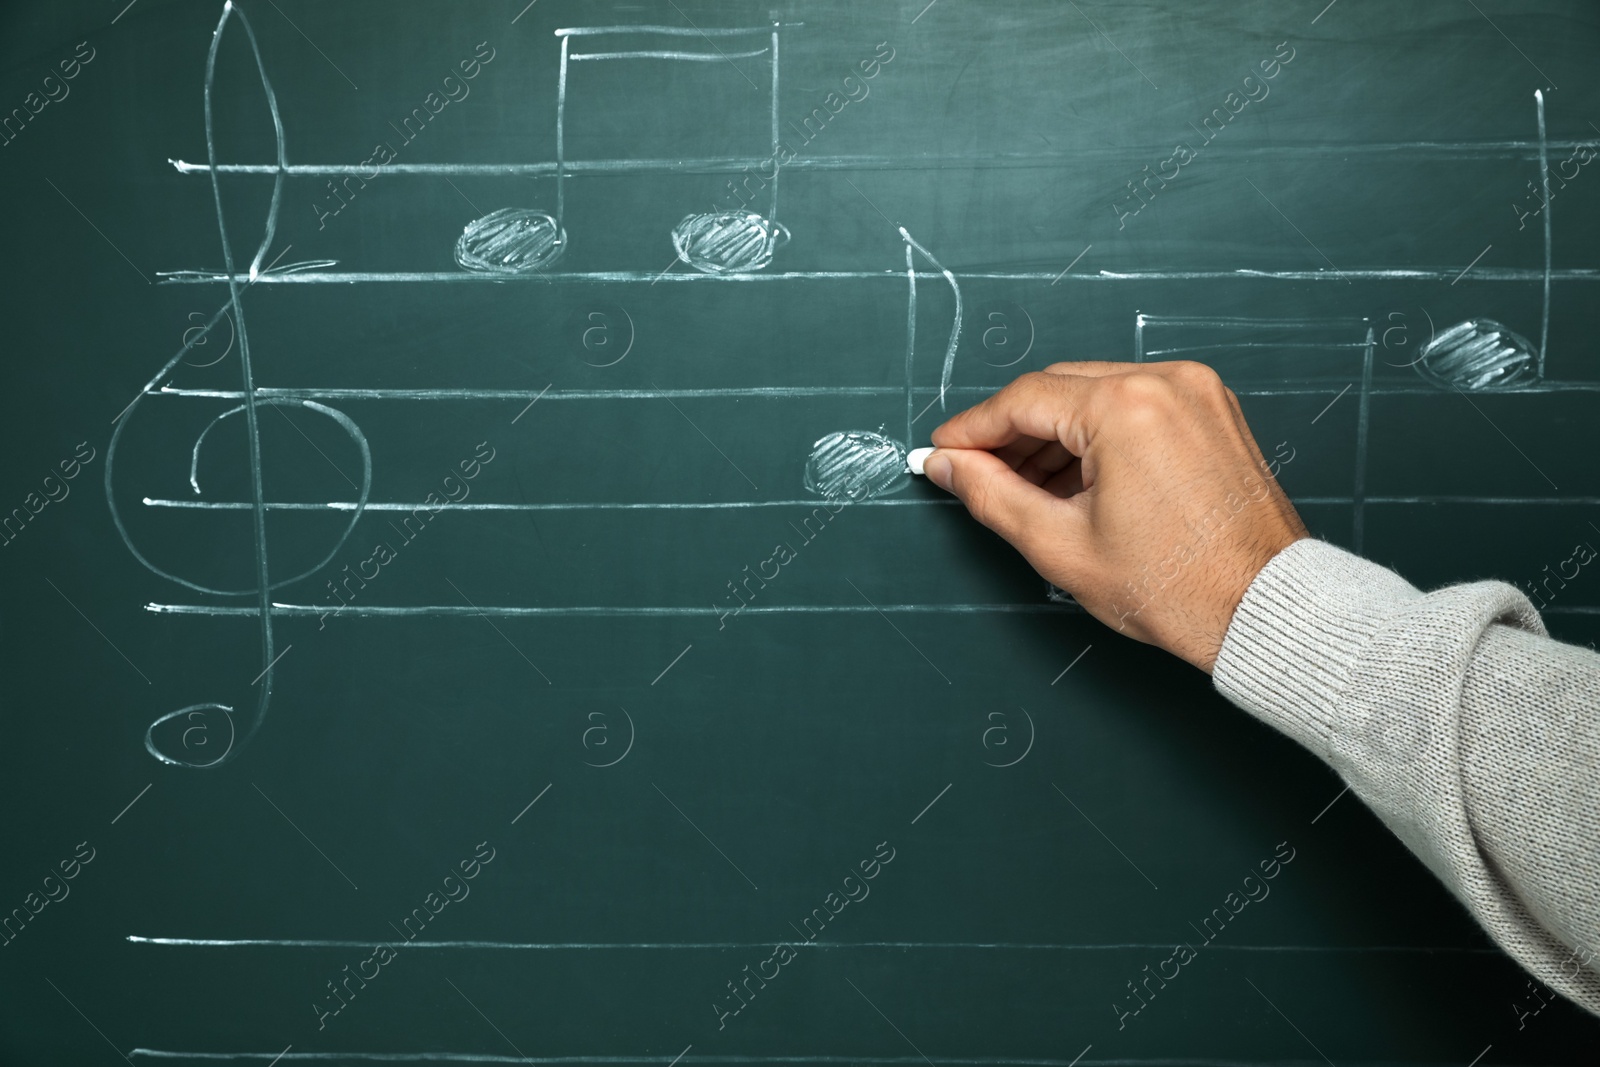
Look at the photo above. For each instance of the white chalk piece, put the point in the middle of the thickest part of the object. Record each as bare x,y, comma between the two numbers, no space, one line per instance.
916,457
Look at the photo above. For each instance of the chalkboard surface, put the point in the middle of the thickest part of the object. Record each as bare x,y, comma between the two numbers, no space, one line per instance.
463,602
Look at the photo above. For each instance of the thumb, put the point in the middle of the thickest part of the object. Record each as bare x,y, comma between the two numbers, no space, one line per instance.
1001,499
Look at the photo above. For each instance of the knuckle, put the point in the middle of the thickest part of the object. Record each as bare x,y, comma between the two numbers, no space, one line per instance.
1199,386
1142,391
1142,401
1198,376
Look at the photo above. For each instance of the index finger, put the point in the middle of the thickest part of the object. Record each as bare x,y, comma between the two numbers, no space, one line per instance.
1049,407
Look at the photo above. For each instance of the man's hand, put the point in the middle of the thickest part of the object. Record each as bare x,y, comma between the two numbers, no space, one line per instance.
1136,487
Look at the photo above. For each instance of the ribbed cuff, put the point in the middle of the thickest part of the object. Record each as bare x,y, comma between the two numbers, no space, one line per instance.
1299,631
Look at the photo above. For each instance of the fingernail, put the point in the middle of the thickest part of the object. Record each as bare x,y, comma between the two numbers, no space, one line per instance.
937,469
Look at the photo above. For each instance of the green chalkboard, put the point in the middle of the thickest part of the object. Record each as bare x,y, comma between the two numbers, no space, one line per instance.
463,602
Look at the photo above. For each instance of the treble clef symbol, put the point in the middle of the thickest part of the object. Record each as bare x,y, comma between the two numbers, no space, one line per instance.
193,732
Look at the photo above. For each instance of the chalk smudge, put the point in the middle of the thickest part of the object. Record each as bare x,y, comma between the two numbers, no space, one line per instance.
856,465
1476,354
513,240
724,242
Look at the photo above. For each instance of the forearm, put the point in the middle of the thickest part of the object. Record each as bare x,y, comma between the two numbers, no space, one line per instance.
1471,734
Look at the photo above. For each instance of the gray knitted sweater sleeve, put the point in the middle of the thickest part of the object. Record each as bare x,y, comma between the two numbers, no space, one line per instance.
1470,732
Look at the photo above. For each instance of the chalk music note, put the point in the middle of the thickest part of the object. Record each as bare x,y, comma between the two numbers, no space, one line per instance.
203,716
517,240
859,464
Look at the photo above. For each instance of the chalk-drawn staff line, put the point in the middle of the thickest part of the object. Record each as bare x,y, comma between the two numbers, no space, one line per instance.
536,398
603,611
693,57
1520,275
1074,262
1292,225
1474,263
886,1019
1291,1023
1421,151
880,613
1315,386
669,1061
670,31
1508,439
720,506
517,506
501,632
819,946
491,1022
1187,350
